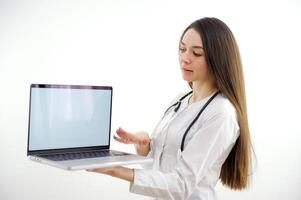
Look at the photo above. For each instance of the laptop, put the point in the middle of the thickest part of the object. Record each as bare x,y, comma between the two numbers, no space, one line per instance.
69,127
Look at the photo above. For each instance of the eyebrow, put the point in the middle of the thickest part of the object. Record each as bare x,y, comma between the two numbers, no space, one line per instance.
195,46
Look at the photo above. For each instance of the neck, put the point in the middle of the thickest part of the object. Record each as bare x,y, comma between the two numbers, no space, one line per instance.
201,91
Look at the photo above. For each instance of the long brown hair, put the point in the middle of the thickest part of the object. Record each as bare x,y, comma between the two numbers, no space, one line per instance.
223,60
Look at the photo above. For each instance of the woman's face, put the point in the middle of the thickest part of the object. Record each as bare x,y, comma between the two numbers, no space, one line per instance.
192,58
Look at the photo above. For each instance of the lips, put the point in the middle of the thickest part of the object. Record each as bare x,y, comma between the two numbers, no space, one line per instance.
187,70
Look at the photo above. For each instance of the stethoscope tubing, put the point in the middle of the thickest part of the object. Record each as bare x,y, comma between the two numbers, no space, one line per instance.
177,106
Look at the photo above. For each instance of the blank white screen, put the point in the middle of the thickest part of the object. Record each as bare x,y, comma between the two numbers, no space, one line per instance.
69,118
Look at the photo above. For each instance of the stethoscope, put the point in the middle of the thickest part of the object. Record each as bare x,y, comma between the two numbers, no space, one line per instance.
177,106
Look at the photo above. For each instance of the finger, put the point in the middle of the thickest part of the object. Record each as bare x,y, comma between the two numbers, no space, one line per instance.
118,139
93,170
127,136
124,140
98,170
120,131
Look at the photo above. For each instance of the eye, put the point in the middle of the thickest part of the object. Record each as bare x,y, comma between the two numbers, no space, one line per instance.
197,54
182,49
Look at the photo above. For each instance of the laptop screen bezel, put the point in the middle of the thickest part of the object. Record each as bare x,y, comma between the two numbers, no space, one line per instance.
74,149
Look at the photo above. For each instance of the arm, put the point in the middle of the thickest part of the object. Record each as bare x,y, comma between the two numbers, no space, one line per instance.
208,146
141,141
118,172
192,166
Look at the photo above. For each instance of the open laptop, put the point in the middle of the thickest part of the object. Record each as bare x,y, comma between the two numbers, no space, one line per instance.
69,127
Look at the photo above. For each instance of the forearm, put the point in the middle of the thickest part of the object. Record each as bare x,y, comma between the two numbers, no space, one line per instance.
123,173
157,184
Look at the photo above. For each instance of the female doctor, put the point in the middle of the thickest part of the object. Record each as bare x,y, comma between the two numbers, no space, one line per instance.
203,135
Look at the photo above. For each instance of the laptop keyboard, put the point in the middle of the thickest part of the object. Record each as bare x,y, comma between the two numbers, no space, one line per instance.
82,155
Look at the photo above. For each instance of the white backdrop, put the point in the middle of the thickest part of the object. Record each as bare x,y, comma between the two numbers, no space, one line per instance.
132,45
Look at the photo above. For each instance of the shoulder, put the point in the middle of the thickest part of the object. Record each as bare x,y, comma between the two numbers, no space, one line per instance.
221,114
221,107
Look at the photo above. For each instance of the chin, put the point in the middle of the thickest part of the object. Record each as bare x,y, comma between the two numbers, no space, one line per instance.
185,78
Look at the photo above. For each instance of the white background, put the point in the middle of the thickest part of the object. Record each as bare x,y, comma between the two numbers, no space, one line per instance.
132,45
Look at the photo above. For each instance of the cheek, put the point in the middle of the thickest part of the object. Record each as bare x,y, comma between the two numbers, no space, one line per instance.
180,58
201,66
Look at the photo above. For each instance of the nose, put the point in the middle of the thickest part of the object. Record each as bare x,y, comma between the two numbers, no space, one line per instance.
185,57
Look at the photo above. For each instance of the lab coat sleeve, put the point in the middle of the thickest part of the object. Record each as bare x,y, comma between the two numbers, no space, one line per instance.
149,155
207,145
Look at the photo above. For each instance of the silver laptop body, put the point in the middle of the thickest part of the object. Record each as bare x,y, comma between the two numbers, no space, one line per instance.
69,127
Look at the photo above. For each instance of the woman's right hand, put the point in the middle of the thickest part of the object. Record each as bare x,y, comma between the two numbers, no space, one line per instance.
141,140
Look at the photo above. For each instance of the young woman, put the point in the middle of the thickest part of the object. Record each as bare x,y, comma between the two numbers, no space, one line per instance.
204,135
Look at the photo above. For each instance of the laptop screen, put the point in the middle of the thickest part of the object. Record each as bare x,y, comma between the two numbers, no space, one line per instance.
65,116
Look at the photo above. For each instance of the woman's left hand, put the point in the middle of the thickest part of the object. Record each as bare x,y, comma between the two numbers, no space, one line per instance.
118,172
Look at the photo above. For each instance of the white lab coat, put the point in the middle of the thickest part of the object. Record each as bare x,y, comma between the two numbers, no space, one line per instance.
193,173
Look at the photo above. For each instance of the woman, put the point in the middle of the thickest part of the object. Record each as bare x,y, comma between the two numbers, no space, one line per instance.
204,135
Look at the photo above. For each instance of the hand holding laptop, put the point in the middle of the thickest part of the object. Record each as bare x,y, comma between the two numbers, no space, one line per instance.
124,173
141,141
